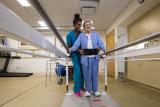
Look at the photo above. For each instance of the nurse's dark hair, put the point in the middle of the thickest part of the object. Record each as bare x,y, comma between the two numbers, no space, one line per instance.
77,19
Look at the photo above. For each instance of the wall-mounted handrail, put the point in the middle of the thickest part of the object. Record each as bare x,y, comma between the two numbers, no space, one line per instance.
9,49
141,40
49,22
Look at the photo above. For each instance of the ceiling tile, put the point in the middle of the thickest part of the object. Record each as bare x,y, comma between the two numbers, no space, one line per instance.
62,12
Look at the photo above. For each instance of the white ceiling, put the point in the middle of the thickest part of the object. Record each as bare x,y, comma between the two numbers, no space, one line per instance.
61,12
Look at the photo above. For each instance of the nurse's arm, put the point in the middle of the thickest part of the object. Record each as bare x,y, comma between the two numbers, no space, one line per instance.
68,40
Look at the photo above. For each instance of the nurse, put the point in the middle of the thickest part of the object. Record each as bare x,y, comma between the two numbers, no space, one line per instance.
89,39
75,56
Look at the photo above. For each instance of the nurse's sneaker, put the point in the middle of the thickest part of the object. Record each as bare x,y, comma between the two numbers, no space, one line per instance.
88,94
78,94
97,94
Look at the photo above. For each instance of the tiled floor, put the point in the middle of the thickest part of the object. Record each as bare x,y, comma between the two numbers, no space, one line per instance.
32,92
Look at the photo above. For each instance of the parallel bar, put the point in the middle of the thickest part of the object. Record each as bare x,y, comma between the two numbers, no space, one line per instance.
105,74
145,51
51,25
46,72
141,40
136,59
67,75
5,48
13,26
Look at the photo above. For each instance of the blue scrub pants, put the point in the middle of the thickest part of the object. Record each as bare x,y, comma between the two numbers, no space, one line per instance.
91,74
78,74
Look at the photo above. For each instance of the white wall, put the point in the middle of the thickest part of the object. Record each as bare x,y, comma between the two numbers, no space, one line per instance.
28,65
120,40
31,65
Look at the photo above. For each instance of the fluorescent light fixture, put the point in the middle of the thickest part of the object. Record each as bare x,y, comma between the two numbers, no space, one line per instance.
42,23
43,27
24,3
46,27
58,28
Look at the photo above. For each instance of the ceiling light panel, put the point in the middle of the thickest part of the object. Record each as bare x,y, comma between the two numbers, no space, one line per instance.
42,23
24,3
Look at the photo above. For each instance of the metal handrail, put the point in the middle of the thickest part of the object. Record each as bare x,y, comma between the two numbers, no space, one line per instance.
9,49
49,22
141,40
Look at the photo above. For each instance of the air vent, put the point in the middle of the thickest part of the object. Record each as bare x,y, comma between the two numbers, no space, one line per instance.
88,10
88,6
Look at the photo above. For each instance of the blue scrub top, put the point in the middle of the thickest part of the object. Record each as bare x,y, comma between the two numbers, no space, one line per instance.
71,38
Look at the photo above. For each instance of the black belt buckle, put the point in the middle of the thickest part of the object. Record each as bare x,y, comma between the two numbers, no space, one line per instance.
90,51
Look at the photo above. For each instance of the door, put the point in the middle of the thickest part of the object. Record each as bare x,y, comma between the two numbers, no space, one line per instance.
110,43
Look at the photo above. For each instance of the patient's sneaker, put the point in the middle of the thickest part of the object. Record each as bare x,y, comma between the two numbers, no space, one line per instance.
97,94
88,94
78,94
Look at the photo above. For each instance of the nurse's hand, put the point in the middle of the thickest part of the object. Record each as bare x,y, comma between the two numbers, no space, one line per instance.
68,54
81,51
69,51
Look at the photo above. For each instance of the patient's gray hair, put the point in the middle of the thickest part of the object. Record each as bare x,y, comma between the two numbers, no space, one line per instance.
86,22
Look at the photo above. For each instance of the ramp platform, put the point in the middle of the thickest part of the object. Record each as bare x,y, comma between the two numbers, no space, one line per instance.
104,100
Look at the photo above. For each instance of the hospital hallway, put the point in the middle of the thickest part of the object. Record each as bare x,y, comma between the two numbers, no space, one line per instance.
32,92
79,53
